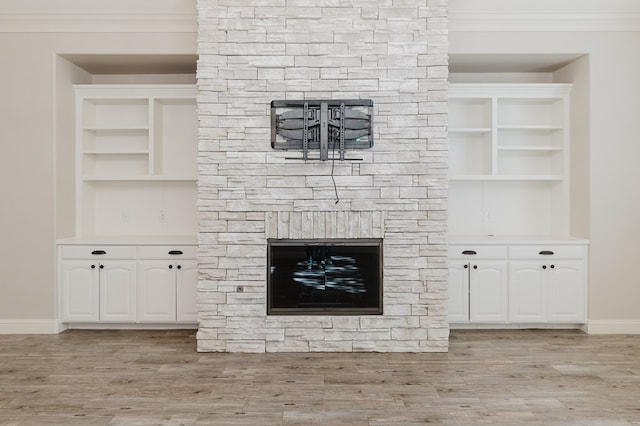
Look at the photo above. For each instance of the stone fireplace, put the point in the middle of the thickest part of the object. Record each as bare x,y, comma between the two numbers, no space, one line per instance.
394,53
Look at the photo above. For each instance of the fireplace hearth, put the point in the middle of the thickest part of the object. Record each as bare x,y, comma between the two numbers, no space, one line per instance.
324,277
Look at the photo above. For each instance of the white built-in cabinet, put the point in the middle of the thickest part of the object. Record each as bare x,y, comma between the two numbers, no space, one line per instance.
135,156
166,284
128,283
478,284
512,259
519,283
98,285
547,284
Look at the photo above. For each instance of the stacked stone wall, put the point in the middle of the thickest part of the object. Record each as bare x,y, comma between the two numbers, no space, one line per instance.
391,51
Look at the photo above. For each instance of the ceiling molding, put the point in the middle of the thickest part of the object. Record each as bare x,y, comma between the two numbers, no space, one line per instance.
186,22
84,22
523,21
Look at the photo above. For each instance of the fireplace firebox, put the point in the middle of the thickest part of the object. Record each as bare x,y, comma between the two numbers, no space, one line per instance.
324,277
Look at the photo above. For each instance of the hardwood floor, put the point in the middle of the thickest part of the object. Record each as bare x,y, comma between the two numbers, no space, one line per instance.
155,377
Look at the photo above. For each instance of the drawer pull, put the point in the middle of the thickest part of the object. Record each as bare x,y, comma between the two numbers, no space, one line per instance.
469,252
175,252
546,253
97,252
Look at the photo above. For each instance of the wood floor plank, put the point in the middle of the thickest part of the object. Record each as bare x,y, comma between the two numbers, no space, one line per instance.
497,377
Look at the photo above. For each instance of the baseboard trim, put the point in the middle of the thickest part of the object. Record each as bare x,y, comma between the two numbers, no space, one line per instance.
613,327
27,326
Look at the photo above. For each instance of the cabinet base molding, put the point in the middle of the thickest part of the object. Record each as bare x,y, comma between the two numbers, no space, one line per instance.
137,326
28,326
512,326
613,327
592,327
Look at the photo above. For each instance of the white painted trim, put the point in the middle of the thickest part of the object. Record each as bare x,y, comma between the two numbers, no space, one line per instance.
186,22
27,326
613,327
516,326
133,326
84,22
523,21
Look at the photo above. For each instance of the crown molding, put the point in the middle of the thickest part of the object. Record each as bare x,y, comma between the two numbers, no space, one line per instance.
523,21
83,22
186,22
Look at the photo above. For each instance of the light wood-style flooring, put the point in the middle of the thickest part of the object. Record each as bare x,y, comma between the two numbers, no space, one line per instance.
514,377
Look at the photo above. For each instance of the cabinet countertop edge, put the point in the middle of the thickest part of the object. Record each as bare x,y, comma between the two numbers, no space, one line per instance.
131,240
513,240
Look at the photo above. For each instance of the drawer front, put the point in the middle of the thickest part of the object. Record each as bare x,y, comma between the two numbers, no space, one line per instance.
167,252
98,252
477,252
548,252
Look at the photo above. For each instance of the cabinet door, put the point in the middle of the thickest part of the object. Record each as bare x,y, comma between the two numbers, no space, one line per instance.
118,291
488,296
527,292
187,292
80,292
566,292
157,291
458,291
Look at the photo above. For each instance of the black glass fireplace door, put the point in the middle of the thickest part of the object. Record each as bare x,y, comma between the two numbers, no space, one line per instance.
337,277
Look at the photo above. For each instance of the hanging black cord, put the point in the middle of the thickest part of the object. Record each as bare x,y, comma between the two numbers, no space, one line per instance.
333,163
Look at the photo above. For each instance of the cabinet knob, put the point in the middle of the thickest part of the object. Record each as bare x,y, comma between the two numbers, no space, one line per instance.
471,252
475,266
466,266
175,252
101,266
180,267
170,266
98,252
93,266
553,266
544,266
546,253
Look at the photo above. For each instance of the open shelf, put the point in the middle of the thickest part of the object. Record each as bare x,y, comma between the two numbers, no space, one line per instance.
136,149
509,159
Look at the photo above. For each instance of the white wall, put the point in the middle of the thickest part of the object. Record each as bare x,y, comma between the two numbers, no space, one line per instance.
27,224
577,73
66,74
144,6
606,206
35,114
